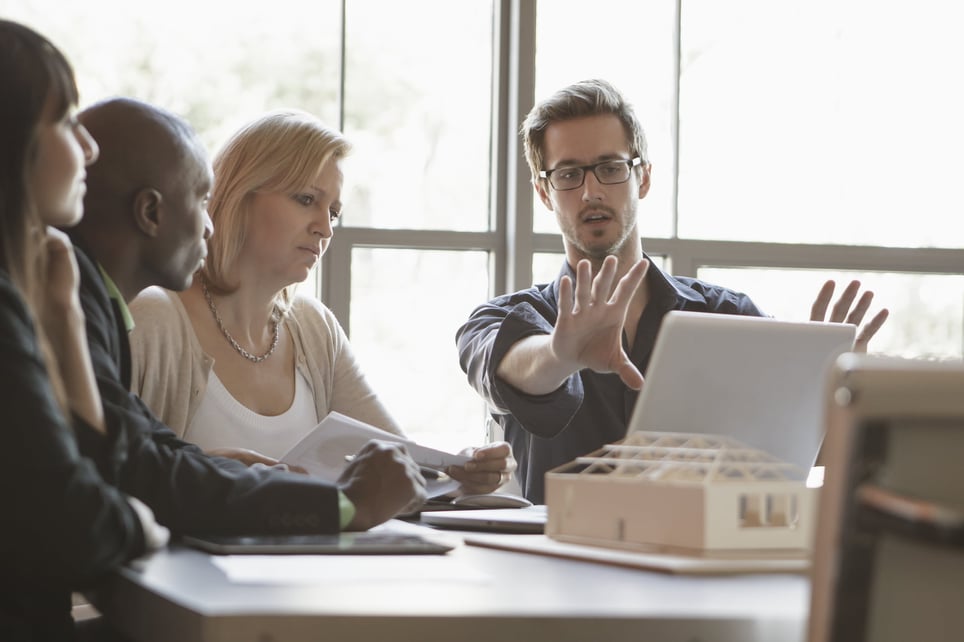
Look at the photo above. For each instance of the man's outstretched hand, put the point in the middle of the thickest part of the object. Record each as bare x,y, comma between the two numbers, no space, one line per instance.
844,311
589,330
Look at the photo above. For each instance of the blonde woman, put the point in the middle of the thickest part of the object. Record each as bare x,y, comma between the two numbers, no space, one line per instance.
236,363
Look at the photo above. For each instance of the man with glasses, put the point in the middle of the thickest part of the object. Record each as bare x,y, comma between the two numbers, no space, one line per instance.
560,364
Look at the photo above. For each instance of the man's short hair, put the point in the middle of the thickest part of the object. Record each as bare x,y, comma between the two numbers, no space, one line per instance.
585,98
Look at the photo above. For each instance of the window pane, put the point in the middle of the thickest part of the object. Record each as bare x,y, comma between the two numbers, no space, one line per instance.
216,64
822,121
406,306
926,310
417,106
546,266
630,44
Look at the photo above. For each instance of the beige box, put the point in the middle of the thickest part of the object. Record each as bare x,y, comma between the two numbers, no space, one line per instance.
699,493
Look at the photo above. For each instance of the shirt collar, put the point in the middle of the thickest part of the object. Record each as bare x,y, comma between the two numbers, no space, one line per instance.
116,295
662,288
676,292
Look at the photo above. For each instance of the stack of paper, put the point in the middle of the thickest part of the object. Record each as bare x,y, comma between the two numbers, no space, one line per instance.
326,451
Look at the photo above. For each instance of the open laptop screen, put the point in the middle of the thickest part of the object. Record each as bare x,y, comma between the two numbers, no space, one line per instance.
758,380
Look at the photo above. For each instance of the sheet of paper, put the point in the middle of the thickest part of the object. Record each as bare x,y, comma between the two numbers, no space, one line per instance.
322,452
339,570
764,562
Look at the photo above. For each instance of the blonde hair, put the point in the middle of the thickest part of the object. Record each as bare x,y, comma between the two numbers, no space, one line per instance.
584,98
281,151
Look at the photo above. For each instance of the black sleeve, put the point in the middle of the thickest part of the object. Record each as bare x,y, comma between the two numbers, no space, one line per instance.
63,526
189,491
483,341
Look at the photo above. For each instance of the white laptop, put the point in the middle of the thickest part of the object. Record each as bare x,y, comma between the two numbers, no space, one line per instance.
755,379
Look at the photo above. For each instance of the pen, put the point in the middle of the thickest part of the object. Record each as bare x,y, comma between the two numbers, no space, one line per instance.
431,473
427,473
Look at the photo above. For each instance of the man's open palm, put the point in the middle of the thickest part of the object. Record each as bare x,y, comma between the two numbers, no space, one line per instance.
589,330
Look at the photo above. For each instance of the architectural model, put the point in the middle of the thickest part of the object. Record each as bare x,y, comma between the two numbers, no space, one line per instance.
705,493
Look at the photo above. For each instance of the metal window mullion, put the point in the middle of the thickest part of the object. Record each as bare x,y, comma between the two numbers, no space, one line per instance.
675,119
336,280
498,153
519,96
342,66
415,239
333,281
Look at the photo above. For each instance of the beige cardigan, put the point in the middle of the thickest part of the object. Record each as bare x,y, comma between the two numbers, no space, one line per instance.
170,370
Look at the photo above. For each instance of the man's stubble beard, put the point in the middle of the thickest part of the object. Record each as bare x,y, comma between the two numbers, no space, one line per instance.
599,253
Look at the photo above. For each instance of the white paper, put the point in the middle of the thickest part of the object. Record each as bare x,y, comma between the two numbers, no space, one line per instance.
340,570
755,561
323,451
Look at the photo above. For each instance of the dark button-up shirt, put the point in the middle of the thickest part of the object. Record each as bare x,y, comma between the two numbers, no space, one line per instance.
590,409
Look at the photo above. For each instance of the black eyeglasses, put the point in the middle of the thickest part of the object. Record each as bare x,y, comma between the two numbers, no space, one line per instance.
608,172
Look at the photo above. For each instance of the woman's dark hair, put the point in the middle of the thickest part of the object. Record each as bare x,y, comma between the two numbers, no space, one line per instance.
32,72
33,75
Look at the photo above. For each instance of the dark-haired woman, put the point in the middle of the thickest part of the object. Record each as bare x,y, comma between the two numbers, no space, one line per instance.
64,526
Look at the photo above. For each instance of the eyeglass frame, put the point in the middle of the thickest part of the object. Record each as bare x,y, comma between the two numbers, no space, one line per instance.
636,161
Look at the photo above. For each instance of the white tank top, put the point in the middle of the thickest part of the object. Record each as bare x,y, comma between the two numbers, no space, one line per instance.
221,421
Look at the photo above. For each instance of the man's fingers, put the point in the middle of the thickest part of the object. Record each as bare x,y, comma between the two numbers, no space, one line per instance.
630,281
842,307
603,283
856,316
842,312
868,331
565,297
819,309
630,375
583,286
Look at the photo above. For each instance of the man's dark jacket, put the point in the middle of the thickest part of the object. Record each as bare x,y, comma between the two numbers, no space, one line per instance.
189,492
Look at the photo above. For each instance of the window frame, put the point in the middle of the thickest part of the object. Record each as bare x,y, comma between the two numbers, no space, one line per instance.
511,241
